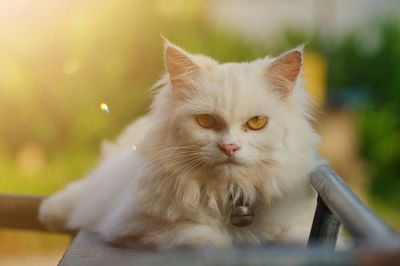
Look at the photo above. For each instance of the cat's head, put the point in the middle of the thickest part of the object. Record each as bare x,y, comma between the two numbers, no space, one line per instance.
232,118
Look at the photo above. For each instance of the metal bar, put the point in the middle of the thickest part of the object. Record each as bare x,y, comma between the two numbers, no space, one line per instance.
325,227
21,212
358,219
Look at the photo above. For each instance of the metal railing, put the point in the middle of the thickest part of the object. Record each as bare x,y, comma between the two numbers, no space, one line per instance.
336,205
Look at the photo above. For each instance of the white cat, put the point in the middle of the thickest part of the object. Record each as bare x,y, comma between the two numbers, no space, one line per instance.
217,135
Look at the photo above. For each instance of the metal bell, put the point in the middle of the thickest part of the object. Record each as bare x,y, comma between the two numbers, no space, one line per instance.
242,215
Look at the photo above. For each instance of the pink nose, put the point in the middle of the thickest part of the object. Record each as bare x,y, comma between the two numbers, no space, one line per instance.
228,149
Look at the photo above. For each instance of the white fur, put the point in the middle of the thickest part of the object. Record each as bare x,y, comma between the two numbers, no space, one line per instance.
171,191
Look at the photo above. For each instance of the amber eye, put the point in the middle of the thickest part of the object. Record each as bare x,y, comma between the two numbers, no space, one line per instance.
257,122
206,120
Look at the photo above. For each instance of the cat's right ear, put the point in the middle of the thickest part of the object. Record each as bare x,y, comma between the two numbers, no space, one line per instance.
179,65
284,71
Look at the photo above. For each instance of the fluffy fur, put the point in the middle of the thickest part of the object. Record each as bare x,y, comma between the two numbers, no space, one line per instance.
177,188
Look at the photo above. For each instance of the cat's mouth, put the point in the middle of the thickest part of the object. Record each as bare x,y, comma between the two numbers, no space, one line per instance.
228,161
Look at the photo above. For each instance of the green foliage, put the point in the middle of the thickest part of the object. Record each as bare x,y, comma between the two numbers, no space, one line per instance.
376,74
353,64
380,132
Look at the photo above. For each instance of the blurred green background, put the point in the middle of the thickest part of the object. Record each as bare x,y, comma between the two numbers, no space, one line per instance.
60,59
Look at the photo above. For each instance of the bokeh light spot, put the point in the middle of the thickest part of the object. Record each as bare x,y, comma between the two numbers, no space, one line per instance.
104,108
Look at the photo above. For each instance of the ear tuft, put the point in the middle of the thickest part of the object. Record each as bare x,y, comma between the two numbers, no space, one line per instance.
179,64
283,72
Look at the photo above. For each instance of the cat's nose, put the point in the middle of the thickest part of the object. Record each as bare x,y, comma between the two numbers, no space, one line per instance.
228,149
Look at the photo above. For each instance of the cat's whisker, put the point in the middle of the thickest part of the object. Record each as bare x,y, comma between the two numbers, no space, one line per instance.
183,159
166,159
205,166
184,162
191,167
180,154
174,160
172,156
173,149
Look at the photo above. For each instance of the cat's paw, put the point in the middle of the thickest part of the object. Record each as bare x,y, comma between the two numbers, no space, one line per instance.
52,213
55,211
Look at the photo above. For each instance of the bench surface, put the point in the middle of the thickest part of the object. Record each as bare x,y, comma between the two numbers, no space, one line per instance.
89,249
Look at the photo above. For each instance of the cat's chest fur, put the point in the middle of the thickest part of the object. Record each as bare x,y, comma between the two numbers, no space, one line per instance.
212,204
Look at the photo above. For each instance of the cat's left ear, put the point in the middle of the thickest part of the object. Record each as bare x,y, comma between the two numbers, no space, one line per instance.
284,71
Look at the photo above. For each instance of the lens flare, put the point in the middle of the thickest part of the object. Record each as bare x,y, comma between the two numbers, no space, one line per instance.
104,108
